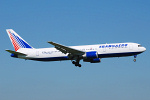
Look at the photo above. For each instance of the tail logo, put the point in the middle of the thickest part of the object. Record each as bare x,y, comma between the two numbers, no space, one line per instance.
17,41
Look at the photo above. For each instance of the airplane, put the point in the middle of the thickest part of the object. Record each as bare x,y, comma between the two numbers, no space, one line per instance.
87,53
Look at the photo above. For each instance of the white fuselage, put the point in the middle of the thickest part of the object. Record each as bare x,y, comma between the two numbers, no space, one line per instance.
103,50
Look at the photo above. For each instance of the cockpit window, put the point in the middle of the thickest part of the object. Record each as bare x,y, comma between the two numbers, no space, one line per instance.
139,45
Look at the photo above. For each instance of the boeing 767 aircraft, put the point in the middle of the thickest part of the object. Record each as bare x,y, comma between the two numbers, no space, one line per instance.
89,53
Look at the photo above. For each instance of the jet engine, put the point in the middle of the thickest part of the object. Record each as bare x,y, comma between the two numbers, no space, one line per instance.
90,55
96,60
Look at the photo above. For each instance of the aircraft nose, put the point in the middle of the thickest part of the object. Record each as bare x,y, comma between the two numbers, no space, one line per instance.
144,49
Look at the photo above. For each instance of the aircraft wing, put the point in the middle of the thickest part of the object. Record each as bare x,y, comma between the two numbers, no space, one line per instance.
65,49
15,52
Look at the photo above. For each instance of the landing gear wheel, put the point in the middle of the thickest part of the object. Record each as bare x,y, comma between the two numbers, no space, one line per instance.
134,60
76,63
73,62
79,65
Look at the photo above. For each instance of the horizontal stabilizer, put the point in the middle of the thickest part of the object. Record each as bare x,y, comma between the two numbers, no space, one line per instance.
15,52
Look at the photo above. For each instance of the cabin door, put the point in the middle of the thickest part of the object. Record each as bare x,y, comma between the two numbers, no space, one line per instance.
130,47
104,49
37,53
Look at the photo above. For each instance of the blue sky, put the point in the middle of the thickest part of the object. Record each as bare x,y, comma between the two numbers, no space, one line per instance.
79,22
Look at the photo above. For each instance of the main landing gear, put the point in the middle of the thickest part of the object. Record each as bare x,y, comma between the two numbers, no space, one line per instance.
134,58
76,63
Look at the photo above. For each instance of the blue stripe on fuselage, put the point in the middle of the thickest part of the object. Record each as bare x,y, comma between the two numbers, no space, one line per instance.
51,58
118,54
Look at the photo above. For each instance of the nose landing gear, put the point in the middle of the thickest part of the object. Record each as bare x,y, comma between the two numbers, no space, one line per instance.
134,58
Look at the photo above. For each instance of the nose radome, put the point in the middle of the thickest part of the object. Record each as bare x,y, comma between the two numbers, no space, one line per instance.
144,49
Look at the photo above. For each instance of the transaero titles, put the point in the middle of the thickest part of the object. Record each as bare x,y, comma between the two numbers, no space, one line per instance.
47,52
113,45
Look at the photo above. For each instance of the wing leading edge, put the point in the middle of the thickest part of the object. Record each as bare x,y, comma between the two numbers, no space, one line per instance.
65,49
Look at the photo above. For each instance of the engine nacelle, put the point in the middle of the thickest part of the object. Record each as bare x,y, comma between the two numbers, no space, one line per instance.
96,60
90,55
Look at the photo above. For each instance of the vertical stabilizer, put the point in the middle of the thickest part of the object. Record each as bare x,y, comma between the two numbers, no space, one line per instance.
16,40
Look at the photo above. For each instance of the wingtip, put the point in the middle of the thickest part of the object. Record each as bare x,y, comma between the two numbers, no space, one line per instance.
49,42
6,49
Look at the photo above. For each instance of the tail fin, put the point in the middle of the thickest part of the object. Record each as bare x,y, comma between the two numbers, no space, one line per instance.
16,40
